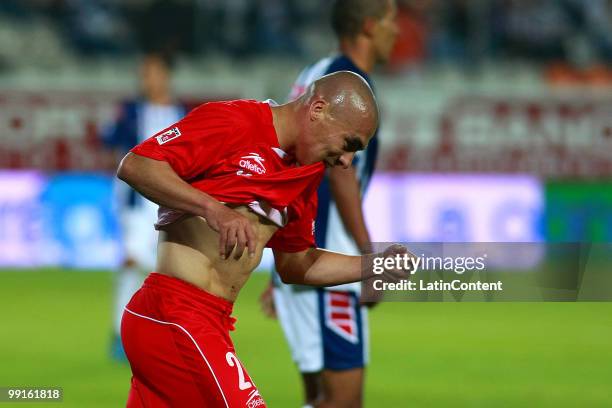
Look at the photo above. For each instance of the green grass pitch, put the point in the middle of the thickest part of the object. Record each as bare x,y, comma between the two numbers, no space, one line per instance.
56,332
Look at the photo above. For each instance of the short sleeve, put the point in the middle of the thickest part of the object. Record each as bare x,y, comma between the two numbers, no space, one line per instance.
195,143
298,234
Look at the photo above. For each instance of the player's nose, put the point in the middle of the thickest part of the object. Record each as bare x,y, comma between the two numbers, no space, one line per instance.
346,159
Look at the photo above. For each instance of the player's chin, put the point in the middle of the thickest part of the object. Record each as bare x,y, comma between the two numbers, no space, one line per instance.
308,160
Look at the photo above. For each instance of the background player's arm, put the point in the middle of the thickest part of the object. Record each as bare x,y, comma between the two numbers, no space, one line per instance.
156,180
345,190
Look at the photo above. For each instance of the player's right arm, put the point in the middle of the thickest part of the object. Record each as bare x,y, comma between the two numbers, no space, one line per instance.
157,181
158,168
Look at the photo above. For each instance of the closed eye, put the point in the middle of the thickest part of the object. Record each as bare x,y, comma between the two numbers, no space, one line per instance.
353,144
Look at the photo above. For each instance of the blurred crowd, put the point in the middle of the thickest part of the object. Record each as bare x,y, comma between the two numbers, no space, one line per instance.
573,32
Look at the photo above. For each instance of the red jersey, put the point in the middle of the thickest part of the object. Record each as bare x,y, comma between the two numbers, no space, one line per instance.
230,151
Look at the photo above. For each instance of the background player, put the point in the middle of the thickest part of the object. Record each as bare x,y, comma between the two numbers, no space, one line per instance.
152,111
331,350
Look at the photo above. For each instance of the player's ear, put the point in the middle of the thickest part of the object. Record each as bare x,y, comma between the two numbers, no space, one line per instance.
318,109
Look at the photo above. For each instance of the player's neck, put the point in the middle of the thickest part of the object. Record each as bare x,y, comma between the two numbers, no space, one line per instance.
360,52
284,125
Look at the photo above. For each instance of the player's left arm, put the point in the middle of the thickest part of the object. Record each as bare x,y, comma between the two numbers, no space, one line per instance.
319,267
347,195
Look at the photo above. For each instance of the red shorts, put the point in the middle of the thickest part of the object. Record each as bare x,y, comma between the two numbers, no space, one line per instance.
176,338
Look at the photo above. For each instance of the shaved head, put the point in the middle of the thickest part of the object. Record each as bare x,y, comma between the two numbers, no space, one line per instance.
350,98
334,119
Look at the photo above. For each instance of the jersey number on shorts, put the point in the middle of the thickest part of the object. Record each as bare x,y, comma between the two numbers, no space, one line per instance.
232,360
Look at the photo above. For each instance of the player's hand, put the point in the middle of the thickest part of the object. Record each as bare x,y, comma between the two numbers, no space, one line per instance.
129,262
266,301
235,230
395,249
397,274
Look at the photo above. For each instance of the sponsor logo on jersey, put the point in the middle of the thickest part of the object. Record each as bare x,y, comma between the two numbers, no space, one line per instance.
255,400
168,135
253,163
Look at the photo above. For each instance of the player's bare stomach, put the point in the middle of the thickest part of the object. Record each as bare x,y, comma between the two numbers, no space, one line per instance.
188,249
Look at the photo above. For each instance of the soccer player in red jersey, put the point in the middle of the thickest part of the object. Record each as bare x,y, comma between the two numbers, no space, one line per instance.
231,178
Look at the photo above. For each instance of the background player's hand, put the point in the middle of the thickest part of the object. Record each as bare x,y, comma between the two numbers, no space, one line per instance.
266,301
234,229
369,297
372,298
129,262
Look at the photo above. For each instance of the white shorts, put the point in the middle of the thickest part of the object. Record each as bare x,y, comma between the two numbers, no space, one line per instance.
325,329
139,235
